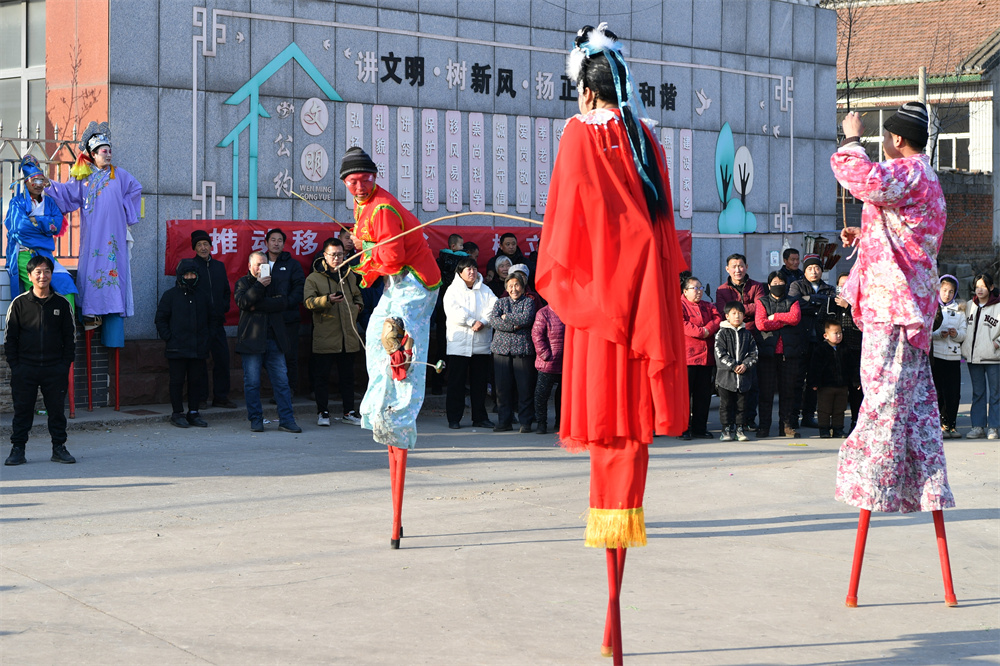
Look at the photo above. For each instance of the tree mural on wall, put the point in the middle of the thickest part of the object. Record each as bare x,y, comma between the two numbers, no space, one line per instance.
733,174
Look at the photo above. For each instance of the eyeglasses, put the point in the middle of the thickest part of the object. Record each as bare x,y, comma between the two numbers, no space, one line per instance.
335,255
694,289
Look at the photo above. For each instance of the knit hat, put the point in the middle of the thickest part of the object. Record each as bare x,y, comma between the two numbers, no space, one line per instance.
199,235
356,161
521,268
811,259
910,122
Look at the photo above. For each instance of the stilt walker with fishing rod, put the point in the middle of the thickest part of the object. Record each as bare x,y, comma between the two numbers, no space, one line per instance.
624,368
397,335
893,460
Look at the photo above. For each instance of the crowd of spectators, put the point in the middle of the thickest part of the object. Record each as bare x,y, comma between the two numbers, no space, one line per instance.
791,337
804,346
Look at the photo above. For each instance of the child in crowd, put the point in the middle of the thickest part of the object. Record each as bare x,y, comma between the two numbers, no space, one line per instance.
513,355
182,321
946,353
827,377
547,334
840,310
735,358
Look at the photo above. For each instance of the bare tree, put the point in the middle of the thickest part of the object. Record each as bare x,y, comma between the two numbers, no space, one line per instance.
80,103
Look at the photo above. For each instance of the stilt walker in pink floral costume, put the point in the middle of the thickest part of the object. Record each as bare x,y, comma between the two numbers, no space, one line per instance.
894,458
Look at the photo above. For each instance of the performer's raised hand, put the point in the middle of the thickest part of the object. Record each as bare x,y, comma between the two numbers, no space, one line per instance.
853,125
850,235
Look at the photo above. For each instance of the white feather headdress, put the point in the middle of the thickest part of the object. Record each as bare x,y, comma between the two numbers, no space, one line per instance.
596,42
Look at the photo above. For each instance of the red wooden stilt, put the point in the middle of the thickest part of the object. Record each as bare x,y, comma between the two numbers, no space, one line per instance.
118,400
859,555
397,507
88,337
942,543
614,605
606,649
69,392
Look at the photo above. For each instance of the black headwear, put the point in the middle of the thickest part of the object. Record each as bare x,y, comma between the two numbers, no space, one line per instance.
356,161
199,235
910,122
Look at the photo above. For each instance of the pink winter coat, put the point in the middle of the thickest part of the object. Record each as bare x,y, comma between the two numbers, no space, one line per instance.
697,316
547,334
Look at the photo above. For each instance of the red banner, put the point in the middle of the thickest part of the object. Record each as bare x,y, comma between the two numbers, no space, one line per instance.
234,240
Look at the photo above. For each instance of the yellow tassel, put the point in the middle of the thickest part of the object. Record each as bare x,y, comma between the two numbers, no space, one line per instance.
81,169
615,528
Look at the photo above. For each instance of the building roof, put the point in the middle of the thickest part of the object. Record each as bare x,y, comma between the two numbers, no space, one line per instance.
891,39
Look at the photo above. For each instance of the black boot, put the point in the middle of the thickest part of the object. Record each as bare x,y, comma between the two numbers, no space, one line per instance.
61,455
541,428
16,456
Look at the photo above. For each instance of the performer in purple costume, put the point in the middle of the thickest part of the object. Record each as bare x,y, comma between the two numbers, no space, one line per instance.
109,200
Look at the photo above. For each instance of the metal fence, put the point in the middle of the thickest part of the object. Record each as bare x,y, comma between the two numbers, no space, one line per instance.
56,157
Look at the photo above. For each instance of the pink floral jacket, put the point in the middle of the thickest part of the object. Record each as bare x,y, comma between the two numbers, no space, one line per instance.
894,279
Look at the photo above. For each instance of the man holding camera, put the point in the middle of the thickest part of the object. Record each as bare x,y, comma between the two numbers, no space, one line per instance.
261,342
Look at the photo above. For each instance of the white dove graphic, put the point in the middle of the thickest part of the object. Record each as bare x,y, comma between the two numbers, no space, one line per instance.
704,101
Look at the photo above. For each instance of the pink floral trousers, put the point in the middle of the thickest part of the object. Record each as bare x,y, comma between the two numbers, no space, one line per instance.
894,458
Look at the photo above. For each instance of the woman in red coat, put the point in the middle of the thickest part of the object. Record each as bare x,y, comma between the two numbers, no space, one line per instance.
701,323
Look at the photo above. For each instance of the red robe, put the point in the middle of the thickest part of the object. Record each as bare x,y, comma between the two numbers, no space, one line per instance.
382,217
612,276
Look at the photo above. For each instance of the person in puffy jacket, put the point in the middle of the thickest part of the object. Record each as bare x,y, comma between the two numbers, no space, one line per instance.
468,303
813,294
513,355
946,353
332,295
213,281
701,323
780,354
548,334
182,320
735,358
981,349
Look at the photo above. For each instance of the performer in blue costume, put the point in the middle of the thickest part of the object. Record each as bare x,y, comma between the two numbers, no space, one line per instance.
33,221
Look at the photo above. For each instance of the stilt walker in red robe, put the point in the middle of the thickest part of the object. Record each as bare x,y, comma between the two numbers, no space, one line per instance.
608,265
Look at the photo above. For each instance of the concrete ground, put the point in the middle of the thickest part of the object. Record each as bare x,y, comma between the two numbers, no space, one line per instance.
221,546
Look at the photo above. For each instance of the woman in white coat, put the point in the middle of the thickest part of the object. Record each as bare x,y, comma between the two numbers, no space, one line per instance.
982,350
467,307
946,353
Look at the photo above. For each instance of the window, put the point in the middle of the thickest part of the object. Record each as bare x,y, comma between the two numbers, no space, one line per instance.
953,137
22,66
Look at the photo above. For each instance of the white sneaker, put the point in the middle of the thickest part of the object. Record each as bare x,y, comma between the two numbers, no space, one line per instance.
992,434
975,433
726,435
352,418
323,419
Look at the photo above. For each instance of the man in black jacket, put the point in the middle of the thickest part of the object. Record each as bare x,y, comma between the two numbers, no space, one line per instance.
812,294
40,347
288,279
182,321
214,283
261,342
